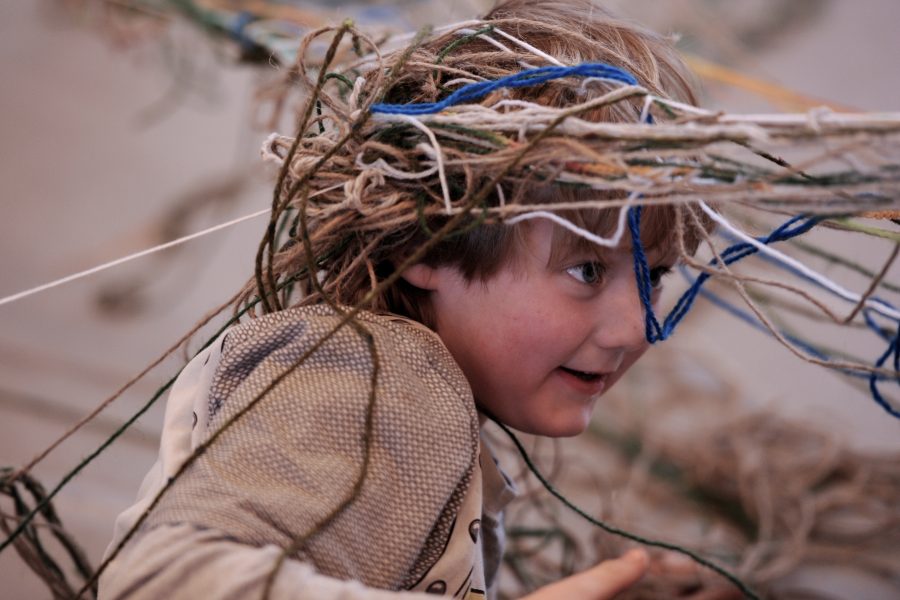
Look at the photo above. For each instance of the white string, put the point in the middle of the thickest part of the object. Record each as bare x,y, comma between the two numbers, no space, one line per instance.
645,111
130,257
610,242
393,172
874,120
460,80
534,118
438,157
509,102
825,282
353,101
529,47
267,151
582,89
392,41
142,253
485,38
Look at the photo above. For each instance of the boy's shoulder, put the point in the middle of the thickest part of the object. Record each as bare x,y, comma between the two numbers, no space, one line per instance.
292,394
313,322
309,349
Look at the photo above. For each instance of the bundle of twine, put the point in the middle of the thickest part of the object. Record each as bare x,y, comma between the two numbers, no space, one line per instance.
363,181
774,497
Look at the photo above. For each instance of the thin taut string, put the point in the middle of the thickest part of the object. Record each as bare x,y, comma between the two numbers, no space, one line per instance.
734,579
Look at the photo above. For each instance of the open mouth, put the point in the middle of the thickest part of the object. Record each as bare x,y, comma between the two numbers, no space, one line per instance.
583,375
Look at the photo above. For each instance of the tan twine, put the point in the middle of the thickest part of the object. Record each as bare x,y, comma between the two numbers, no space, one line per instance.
355,187
777,497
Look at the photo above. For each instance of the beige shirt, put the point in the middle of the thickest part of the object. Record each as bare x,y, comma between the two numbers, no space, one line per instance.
424,524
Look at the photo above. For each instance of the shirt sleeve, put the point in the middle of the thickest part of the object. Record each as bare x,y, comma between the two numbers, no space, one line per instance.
180,562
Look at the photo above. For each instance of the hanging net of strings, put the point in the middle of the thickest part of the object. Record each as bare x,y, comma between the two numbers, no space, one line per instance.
367,179
408,149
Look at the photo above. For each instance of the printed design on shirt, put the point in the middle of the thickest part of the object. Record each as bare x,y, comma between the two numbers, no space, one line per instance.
462,553
465,591
474,530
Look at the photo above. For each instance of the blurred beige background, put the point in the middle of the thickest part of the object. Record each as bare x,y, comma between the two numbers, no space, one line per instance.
100,142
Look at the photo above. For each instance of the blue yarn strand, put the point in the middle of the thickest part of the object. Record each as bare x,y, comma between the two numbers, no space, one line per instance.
793,227
529,77
751,320
874,378
893,348
897,352
238,25
656,332
874,326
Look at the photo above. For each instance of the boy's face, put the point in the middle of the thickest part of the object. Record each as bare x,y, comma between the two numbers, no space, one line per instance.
539,342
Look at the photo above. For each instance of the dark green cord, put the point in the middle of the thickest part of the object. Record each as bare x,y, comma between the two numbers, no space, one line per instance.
743,587
45,502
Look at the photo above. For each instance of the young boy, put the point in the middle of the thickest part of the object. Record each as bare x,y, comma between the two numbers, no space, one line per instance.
363,463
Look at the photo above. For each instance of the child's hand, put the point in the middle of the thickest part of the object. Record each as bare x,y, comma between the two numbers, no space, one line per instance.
601,582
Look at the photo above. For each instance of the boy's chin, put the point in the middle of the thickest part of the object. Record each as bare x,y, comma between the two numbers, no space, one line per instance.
562,430
559,426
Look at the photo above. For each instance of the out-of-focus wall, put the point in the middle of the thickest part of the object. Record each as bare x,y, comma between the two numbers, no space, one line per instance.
101,142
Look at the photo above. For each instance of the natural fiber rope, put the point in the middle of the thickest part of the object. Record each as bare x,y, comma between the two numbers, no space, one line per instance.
734,579
512,133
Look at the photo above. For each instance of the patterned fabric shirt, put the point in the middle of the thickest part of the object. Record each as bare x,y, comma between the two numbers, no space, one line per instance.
425,519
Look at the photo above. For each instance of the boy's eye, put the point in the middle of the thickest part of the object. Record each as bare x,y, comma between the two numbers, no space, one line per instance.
657,274
590,272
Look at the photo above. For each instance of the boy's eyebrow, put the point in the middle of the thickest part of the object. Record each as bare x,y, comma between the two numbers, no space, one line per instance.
567,246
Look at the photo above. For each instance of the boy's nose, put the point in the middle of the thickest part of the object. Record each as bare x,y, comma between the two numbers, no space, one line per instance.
621,322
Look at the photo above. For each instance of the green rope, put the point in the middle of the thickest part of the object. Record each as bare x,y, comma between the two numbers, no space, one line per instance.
847,225
54,575
840,260
340,77
45,502
737,582
459,42
420,252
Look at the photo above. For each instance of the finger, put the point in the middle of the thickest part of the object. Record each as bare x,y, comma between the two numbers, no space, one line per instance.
605,580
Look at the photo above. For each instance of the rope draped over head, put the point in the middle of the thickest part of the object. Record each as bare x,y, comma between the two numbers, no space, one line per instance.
487,118
475,125
375,176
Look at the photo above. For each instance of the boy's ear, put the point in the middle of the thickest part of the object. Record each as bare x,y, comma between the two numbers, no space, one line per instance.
422,276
